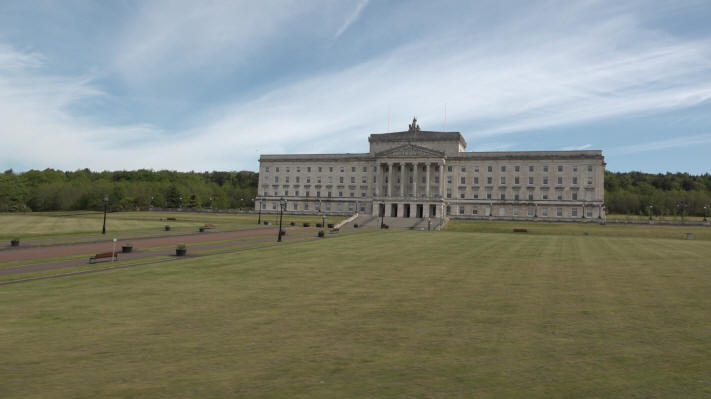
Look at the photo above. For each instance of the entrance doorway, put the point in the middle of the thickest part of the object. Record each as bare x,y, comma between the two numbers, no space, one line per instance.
406,210
393,210
433,210
420,209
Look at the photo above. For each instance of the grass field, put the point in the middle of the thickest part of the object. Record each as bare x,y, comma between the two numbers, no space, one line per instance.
377,314
30,226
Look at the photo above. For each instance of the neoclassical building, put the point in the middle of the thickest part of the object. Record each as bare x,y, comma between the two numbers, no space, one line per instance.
420,174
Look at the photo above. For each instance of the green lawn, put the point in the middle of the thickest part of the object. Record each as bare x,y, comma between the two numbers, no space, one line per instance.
49,224
376,314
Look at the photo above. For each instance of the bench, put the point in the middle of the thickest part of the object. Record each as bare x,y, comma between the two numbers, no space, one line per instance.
520,230
209,226
104,255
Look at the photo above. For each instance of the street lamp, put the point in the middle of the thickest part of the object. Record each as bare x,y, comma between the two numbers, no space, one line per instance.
651,206
106,205
382,214
282,208
259,221
180,203
706,208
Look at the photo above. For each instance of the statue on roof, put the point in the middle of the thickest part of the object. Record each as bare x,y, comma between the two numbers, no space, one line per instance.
414,127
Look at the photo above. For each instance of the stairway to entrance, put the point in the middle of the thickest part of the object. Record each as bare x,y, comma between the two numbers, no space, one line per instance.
369,222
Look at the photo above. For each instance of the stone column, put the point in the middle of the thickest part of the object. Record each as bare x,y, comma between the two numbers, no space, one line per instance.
390,179
414,180
402,179
427,181
378,182
441,179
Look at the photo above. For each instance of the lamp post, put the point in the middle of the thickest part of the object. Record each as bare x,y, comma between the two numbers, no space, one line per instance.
259,221
706,208
282,207
180,203
382,214
651,206
106,205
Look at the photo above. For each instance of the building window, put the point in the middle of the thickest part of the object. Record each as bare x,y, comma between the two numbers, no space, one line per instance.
589,181
449,193
352,169
329,194
476,169
287,169
365,169
502,211
575,168
575,195
503,179
545,169
559,195
449,168
449,179
530,195
286,193
530,180
575,180
352,179
320,169
464,169
589,212
517,168
342,169
461,210
296,193
296,206
560,168
488,195
516,180
362,193
274,205
307,194
330,179
318,194
560,180
277,169
330,169
515,212
436,179
364,180
475,211
461,195
516,197
462,180
531,168
488,180
306,205
340,193
545,211
574,212
352,194
308,169
276,179
503,168
489,168
545,195
286,179
449,210
487,211
559,212
267,169
545,180
476,195
530,212
476,181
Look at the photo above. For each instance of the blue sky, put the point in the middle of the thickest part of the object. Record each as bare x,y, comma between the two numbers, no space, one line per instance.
210,85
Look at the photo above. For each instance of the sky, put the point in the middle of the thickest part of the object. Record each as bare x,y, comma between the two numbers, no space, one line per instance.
211,85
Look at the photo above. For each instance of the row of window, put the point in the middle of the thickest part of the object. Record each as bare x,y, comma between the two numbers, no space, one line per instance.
530,212
517,180
543,195
329,194
450,168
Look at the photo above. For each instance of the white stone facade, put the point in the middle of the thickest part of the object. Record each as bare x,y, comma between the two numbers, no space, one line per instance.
428,174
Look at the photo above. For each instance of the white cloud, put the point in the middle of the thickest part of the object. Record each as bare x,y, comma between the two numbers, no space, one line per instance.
352,18
677,142
577,147
530,74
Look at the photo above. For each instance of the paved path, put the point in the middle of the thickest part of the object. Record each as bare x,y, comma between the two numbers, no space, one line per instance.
52,265
53,251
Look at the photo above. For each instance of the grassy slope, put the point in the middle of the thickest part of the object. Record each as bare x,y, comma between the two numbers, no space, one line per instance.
375,315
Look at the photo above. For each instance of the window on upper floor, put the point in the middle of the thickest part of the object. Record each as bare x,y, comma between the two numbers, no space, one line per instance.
476,180
489,168
560,180
517,180
517,168
503,168
488,180
449,168
531,168
560,168
530,179
503,179
464,169
462,180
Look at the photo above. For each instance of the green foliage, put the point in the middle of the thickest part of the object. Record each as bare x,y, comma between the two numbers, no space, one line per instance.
669,193
50,190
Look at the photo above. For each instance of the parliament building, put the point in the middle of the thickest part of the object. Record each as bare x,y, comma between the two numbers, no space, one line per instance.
428,174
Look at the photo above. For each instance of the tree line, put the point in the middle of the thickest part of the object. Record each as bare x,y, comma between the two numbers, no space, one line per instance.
632,193
53,190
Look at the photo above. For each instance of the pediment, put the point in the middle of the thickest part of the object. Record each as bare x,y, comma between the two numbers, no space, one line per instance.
410,150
